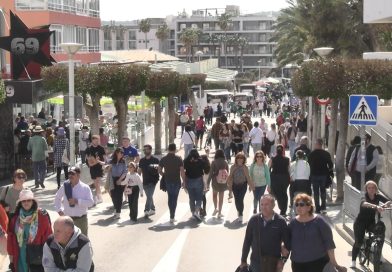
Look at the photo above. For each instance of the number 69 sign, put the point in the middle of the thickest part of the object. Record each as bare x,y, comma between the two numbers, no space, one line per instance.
20,46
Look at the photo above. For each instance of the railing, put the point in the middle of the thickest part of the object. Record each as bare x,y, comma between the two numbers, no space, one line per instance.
90,48
44,5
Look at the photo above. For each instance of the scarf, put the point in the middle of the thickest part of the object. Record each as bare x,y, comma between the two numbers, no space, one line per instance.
30,218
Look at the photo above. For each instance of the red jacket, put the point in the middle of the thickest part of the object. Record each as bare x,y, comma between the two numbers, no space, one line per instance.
44,230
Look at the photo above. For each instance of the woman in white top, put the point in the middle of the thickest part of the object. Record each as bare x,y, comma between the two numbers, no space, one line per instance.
134,186
299,174
188,139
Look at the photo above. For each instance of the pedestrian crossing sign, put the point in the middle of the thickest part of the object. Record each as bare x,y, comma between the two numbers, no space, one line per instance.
363,110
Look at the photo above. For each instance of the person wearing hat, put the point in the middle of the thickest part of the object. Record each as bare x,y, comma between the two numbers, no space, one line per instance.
37,145
27,233
61,160
74,198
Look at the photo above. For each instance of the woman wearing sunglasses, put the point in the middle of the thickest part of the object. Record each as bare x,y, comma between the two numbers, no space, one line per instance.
312,245
259,173
10,194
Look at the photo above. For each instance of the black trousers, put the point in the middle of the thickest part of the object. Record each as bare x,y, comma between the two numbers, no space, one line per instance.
313,266
133,200
279,185
239,192
359,233
58,174
117,195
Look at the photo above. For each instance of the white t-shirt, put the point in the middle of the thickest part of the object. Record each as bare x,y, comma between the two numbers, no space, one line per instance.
271,135
256,134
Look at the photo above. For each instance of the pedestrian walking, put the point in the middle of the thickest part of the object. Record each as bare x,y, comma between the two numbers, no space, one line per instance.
68,249
237,136
380,165
312,244
256,137
272,136
200,129
61,155
194,171
215,130
225,140
218,177
302,126
238,182
27,233
259,173
265,234
95,160
117,172
148,168
130,152
299,176
321,166
37,145
280,178
134,187
171,167
184,119
84,142
291,137
10,194
302,146
356,141
188,138
74,198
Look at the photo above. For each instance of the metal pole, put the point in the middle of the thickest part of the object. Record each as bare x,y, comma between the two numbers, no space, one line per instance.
167,122
362,133
309,122
71,110
323,123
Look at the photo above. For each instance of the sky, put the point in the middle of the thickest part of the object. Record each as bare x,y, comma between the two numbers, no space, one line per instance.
125,10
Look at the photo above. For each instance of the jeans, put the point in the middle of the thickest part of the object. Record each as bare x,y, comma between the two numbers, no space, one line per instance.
245,148
117,195
149,189
58,175
256,147
39,169
239,192
279,185
216,143
187,149
319,190
226,150
292,146
272,151
83,156
195,191
257,193
133,201
173,189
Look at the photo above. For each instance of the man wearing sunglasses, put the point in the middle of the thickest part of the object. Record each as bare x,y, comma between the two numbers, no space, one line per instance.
265,234
74,198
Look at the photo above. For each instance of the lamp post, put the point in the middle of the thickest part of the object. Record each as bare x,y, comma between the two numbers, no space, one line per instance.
71,49
199,54
323,52
259,61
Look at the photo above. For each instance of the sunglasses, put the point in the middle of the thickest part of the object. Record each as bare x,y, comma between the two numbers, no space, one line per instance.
21,177
301,204
259,157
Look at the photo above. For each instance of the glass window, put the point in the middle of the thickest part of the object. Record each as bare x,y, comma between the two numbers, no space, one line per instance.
81,35
132,44
56,38
69,34
30,4
132,34
93,40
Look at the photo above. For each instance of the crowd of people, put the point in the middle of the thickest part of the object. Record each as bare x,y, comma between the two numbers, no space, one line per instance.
283,169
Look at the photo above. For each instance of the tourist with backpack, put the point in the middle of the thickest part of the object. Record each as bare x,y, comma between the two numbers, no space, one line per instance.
238,181
200,129
218,176
259,173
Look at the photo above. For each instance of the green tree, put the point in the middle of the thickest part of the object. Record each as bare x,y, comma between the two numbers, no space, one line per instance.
224,23
163,32
189,37
243,44
2,91
145,27
213,40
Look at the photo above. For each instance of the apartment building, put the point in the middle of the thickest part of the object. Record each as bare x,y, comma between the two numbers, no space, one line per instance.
71,20
257,28
125,35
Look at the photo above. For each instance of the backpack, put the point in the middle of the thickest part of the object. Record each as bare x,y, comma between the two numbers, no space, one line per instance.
200,125
222,176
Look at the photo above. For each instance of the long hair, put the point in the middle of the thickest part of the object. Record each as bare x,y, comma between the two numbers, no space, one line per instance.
114,155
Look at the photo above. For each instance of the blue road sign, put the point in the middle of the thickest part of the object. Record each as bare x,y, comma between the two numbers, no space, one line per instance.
363,110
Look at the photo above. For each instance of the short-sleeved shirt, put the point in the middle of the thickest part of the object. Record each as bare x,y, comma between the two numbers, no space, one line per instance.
171,163
130,152
367,215
150,173
96,151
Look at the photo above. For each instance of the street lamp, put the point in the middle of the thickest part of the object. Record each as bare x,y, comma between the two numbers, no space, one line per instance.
71,49
199,54
259,61
323,52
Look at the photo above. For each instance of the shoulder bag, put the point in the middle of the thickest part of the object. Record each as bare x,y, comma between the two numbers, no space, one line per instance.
193,142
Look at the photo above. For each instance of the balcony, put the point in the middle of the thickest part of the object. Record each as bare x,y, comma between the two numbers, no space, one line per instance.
377,11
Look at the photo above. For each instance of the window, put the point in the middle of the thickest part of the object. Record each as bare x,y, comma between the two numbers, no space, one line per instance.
93,40
132,35
55,5
194,26
206,26
94,8
69,6
182,26
81,35
81,6
69,34
30,5
132,44
56,38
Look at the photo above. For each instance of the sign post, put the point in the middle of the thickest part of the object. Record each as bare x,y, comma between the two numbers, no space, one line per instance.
363,112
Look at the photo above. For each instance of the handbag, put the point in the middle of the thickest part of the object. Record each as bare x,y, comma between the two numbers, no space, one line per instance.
34,254
64,157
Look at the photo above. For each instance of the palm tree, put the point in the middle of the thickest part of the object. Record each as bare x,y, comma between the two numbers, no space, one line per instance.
162,33
224,22
234,41
145,27
213,39
189,37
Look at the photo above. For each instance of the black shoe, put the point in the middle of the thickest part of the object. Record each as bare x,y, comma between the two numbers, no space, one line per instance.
36,186
254,211
42,185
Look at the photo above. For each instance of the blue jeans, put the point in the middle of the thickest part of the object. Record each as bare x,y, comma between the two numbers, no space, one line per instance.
195,191
319,190
245,148
187,149
39,169
149,189
292,146
257,193
256,147
225,150
173,189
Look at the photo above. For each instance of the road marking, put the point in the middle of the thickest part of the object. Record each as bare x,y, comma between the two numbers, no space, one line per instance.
170,261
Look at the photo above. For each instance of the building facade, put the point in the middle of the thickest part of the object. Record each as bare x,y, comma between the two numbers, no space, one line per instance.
257,28
117,35
71,20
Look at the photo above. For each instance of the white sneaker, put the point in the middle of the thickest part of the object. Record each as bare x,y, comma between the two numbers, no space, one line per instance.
215,212
240,218
172,221
151,212
353,264
146,213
